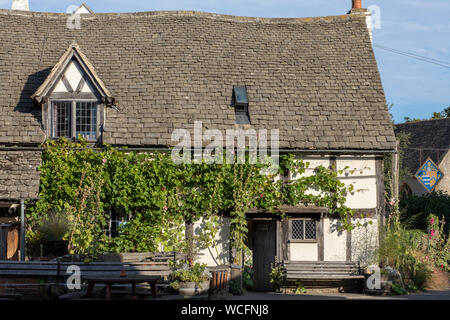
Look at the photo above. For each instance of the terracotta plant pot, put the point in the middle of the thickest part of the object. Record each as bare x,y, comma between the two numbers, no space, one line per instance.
191,289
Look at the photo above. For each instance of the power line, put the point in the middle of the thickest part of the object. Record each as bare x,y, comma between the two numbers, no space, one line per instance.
415,56
411,53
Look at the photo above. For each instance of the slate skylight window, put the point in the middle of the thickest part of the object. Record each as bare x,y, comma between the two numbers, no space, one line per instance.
240,102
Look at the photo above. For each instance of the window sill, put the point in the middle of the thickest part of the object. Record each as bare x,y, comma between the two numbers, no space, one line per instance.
74,139
302,241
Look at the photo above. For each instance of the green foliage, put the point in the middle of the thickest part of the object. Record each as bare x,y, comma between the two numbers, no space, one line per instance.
247,273
415,210
300,288
196,273
277,277
235,288
438,243
247,277
398,290
436,115
446,113
159,197
413,252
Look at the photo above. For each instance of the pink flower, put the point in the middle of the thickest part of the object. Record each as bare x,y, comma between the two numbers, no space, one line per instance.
104,161
432,233
163,188
166,208
426,257
431,220
392,202
261,195
442,266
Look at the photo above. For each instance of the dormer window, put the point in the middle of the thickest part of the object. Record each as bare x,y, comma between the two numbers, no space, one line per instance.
70,119
73,98
240,102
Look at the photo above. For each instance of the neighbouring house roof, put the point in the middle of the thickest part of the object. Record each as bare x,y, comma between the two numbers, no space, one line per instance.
428,139
314,79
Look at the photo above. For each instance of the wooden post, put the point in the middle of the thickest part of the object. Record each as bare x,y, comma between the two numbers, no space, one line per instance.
395,173
189,233
22,230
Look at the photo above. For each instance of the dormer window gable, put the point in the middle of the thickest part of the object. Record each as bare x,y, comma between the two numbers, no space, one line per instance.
73,98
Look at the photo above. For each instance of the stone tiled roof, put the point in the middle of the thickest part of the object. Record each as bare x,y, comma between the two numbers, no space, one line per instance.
19,175
428,139
315,79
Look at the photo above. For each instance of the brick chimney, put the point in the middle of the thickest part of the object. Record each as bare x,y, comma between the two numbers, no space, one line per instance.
357,9
20,5
357,4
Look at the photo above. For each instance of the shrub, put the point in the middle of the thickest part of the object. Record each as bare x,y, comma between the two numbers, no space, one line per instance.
396,289
415,253
415,210
277,277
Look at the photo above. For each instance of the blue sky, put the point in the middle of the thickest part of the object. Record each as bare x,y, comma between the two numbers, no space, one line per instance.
417,89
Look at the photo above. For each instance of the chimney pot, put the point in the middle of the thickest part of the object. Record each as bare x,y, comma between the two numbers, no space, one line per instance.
20,5
357,4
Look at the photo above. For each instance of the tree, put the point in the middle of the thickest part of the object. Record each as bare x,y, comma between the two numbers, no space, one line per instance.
446,113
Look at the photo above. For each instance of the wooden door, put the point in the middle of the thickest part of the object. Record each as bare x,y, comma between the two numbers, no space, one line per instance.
264,251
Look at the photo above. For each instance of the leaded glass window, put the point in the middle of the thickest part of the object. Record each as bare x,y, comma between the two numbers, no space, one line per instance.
297,229
303,229
310,230
62,119
70,119
86,121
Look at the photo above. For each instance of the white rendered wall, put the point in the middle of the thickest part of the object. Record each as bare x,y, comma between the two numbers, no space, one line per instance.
335,241
73,74
304,251
361,173
219,254
444,183
365,241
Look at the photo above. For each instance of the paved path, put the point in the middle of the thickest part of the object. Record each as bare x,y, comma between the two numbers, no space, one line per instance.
429,295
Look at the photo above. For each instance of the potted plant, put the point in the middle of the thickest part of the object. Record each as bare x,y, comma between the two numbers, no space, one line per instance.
191,280
53,230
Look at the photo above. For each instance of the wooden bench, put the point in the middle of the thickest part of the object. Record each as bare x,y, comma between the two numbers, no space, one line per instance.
320,271
53,273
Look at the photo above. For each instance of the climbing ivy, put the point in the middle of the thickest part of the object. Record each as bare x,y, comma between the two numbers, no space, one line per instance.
159,196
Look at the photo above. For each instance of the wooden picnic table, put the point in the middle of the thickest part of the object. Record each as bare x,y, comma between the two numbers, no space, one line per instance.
109,281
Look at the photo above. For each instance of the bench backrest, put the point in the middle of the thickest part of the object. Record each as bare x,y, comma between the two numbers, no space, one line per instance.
322,267
54,268
113,268
31,268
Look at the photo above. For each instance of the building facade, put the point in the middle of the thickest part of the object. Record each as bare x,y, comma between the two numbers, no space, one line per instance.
132,79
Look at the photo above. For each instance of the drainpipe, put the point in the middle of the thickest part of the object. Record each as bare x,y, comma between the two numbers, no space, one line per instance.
22,230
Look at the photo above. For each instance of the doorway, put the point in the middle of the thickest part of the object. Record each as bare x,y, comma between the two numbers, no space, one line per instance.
263,236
